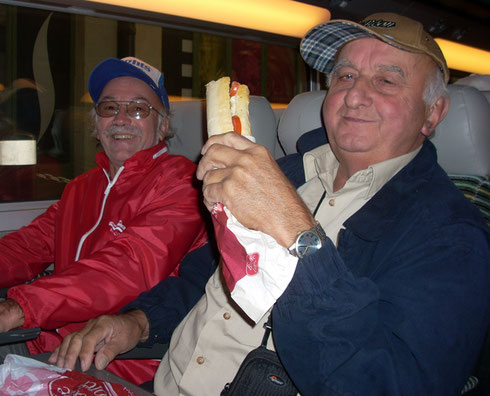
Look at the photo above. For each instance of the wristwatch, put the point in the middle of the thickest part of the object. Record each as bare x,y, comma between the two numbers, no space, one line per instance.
308,242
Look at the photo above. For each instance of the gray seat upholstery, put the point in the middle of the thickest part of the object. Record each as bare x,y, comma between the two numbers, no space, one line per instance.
487,95
303,114
188,121
463,137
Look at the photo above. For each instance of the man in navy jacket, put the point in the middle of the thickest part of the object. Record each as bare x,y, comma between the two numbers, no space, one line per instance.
395,300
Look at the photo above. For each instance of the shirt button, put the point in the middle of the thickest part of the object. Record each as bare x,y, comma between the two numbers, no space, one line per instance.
227,315
331,202
200,360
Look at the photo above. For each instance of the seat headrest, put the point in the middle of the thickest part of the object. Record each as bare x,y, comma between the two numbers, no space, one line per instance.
479,81
302,115
188,122
487,95
462,139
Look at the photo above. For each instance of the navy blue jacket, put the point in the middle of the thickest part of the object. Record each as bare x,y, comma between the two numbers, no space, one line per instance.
400,307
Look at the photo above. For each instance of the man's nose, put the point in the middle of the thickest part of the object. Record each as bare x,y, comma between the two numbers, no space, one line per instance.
359,94
122,116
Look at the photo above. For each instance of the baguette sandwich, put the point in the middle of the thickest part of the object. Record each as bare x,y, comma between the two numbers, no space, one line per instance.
227,107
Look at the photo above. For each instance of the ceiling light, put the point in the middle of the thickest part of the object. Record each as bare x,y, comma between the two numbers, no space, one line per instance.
284,17
465,58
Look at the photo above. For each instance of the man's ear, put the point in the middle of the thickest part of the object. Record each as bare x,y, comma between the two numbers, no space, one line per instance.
435,115
163,128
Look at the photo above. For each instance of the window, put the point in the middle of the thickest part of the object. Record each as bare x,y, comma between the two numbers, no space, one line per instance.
46,57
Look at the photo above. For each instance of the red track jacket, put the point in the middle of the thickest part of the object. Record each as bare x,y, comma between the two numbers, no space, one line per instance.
109,240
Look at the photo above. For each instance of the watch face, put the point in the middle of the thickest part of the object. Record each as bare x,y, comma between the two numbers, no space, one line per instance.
308,242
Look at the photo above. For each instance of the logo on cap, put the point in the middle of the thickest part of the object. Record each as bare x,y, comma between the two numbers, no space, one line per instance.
141,65
379,23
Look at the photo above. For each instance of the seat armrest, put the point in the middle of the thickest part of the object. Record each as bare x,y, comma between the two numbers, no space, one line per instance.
155,352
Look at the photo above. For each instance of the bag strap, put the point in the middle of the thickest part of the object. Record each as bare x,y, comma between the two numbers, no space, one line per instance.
267,332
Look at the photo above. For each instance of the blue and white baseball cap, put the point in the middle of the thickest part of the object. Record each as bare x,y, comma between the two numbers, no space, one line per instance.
320,45
112,68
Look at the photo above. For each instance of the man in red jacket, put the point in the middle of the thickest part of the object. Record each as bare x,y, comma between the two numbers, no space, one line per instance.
117,230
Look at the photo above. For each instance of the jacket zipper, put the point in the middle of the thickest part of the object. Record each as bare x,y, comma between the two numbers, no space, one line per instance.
106,194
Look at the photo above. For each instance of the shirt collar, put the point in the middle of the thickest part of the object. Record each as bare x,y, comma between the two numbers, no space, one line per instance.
322,163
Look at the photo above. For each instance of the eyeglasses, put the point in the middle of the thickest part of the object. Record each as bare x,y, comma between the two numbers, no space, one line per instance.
135,109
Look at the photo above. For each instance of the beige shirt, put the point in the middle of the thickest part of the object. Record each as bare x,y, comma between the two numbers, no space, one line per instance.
210,343
320,170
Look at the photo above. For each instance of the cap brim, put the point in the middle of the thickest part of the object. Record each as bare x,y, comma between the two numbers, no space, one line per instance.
320,44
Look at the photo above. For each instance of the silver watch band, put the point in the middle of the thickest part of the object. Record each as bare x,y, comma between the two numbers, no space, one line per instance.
308,241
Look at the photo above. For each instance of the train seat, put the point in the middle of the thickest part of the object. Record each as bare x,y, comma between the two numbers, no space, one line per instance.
462,138
302,115
188,122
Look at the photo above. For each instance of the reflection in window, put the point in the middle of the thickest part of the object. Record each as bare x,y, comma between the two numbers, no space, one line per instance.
45,61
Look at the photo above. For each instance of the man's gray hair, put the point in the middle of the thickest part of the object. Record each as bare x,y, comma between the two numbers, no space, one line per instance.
166,115
435,86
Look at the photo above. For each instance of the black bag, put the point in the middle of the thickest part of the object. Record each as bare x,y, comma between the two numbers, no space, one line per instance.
261,374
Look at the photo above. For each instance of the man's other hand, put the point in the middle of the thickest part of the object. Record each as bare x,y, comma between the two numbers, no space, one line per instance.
107,336
11,315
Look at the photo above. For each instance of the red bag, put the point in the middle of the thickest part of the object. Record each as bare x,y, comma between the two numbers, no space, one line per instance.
255,267
20,375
